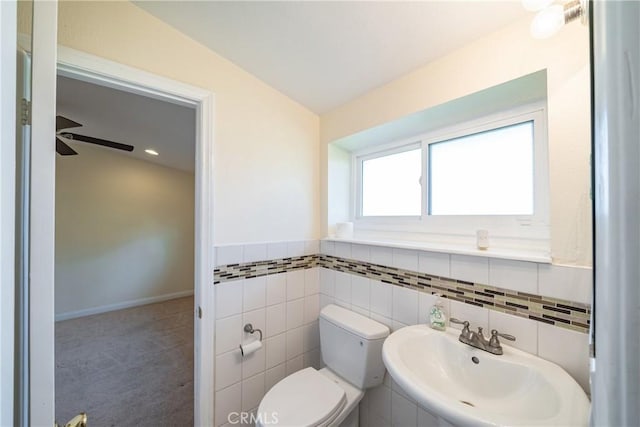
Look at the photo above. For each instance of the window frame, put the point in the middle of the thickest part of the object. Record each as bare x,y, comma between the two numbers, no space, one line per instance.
535,226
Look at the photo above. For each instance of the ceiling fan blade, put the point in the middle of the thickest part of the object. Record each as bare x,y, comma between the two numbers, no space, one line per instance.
63,149
98,141
64,123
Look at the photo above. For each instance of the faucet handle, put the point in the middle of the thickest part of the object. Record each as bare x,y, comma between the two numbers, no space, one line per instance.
465,323
500,334
494,342
460,322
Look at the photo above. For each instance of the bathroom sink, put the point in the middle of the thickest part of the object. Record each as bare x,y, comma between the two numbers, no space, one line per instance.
470,387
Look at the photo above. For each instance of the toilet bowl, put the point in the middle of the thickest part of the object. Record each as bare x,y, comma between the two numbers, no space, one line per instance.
351,348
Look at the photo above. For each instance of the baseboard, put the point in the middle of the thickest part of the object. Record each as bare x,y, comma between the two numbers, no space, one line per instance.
120,305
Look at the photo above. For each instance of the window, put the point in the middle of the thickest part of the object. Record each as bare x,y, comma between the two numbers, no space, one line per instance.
487,174
391,184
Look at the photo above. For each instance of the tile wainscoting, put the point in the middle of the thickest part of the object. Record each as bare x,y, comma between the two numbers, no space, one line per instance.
282,286
284,304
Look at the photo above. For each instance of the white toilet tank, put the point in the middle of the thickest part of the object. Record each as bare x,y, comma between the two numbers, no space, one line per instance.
351,346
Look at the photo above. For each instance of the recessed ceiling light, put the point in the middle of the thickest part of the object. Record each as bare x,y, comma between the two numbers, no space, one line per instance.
150,151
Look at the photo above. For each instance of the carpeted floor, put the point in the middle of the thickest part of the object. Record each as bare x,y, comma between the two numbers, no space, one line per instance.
131,367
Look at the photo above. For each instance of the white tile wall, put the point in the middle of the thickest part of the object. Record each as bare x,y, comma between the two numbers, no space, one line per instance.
568,349
311,247
228,400
434,263
327,248
228,299
343,250
254,293
276,289
477,316
311,337
516,275
381,301
381,255
295,314
426,419
277,250
403,411
570,283
405,258
276,351
273,375
254,252
228,333
360,292
228,369
327,282
525,330
470,268
343,287
294,365
276,320
286,307
252,391
294,343
380,402
311,281
229,254
405,305
295,284
361,253
311,308
295,249
394,306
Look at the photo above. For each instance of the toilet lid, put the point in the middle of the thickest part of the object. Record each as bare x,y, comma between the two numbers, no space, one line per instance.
306,398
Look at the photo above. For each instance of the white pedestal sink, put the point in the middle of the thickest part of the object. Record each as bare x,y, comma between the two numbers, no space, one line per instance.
469,387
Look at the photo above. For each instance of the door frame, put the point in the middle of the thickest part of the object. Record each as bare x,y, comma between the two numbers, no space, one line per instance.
89,68
8,43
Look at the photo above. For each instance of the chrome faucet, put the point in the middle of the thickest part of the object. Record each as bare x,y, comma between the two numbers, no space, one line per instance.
478,340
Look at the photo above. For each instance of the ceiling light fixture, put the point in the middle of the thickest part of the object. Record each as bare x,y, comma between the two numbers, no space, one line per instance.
150,151
552,17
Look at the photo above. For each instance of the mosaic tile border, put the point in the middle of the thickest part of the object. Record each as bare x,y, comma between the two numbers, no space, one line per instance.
566,314
229,272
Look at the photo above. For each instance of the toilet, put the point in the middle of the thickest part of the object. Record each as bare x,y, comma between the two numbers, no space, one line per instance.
351,348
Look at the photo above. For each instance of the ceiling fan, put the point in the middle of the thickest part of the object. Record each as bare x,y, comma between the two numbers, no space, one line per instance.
63,149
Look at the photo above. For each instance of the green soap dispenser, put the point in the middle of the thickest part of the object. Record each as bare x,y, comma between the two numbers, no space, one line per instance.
437,316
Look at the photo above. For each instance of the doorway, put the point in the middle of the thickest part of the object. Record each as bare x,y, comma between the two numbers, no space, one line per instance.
124,245
81,66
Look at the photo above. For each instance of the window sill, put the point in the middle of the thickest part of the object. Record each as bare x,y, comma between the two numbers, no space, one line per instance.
501,253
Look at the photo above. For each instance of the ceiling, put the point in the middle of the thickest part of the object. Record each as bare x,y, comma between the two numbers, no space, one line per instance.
325,53
131,119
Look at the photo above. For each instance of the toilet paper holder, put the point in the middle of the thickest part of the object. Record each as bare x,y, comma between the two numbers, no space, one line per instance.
249,329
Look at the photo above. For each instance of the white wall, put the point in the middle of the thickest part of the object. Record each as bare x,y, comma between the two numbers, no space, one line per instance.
266,145
124,230
339,187
497,58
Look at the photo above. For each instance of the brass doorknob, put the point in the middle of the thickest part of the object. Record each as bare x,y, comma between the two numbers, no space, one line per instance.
79,420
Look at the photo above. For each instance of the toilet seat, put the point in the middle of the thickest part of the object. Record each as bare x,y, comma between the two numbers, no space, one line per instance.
303,399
